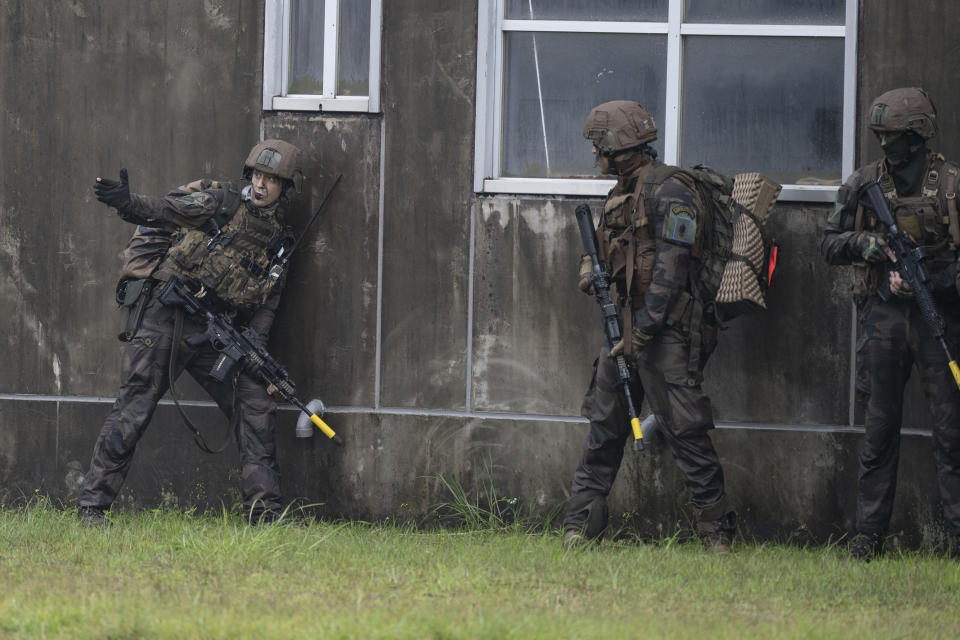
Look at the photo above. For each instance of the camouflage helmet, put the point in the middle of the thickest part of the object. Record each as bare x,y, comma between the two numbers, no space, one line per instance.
278,158
618,125
908,109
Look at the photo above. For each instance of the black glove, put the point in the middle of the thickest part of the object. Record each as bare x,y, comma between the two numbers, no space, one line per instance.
112,193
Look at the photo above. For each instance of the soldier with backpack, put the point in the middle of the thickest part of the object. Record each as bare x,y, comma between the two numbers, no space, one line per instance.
229,247
919,187
665,249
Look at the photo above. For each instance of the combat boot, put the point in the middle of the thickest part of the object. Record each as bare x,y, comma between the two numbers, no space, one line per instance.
92,516
717,535
575,539
586,520
866,546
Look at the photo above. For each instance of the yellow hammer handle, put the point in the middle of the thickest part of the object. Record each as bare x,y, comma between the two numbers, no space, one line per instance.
327,431
956,372
637,433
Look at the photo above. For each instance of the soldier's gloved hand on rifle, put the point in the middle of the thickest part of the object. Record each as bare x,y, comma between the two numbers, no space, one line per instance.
585,283
112,193
639,340
898,286
871,246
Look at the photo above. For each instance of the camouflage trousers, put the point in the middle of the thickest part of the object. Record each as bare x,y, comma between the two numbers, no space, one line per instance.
894,337
688,418
145,379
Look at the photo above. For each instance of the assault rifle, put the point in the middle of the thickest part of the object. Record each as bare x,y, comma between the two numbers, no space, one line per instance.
611,320
239,347
910,265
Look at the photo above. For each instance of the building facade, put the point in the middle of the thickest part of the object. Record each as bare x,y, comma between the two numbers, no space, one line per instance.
433,307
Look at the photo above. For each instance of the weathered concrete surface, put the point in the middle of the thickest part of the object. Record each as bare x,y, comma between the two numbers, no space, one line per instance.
535,335
167,89
326,327
791,363
429,49
785,485
901,47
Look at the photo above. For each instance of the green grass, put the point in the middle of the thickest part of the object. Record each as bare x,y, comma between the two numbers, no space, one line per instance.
166,574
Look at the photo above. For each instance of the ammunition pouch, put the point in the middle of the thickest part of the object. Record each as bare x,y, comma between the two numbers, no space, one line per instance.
133,295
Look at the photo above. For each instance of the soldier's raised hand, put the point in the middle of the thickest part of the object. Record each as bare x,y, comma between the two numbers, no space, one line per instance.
112,193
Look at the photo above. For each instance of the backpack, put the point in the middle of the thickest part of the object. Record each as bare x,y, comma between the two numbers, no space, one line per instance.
750,271
731,250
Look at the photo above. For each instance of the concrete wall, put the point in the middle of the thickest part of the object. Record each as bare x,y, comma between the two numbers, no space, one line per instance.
443,329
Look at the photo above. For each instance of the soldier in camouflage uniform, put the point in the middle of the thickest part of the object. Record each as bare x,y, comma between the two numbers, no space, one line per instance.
650,253
920,187
227,244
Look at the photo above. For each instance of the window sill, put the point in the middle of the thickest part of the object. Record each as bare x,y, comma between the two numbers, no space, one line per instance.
352,104
599,188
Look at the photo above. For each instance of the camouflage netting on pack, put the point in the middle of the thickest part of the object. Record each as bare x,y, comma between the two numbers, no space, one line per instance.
743,284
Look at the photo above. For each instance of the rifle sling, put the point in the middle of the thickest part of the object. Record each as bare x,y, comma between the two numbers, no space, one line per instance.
198,438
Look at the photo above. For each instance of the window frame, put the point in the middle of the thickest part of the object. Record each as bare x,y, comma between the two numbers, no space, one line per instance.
492,27
276,60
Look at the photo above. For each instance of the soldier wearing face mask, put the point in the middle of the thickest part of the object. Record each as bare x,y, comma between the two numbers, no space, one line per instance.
920,187
652,222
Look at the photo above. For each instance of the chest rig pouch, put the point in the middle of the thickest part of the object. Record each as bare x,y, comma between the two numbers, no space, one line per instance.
925,218
238,262
626,244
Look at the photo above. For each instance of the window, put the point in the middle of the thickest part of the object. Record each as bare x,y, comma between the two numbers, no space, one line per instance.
739,85
322,55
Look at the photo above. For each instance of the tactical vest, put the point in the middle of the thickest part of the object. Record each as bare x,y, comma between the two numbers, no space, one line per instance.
238,262
930,219
626,243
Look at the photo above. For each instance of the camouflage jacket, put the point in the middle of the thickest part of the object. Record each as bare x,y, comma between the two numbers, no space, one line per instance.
662,239
233,262
923,215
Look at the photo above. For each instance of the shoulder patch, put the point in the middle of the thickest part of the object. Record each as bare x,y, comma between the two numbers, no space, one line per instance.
196,200
680,225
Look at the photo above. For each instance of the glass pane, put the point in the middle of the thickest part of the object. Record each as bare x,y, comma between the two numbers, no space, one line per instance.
773,105
616,10
306,47
766,11
573,73
354,57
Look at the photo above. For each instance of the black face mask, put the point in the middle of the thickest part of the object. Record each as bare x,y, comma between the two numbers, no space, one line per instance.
902,149
906,156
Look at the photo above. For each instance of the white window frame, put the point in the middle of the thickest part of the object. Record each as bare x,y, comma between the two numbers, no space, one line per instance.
276,62
492,27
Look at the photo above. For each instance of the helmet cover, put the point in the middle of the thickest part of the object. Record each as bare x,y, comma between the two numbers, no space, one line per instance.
907,109
619,125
